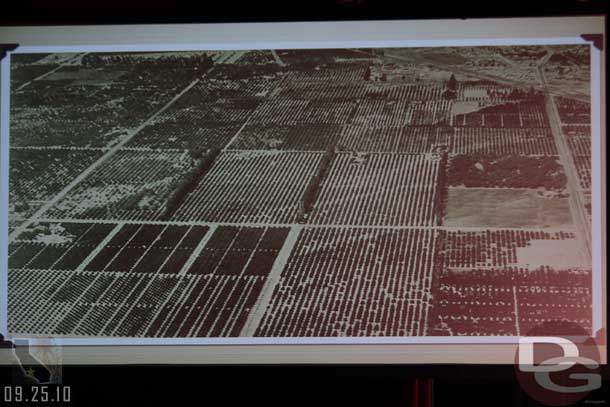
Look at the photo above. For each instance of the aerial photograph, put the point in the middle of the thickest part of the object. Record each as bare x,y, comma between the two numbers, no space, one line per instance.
387,192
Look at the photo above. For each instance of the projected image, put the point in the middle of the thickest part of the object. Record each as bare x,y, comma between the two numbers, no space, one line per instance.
394,192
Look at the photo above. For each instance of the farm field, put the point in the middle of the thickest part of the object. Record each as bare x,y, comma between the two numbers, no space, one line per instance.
111,280
524,277
398,192
503,141
353,282
509,301
374,195
243,187
497,207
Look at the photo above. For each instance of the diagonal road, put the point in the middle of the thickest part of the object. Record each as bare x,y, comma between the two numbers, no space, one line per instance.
226,58
18,230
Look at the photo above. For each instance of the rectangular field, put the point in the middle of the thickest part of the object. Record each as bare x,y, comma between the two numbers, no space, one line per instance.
379,189
251,187
513,208
353,282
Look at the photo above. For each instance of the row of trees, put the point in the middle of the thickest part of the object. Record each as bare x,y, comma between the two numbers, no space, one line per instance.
313,188
189,182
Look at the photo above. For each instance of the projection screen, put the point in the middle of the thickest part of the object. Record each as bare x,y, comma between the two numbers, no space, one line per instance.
341,192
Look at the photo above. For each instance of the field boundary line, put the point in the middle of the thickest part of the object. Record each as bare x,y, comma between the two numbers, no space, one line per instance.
260,307
18,230
304,225
197,250
83,264
144,290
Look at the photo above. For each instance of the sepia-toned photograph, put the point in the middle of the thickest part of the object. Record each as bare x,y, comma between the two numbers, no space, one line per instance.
387,192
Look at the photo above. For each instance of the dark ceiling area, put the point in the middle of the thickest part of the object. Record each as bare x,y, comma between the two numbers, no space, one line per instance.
44,12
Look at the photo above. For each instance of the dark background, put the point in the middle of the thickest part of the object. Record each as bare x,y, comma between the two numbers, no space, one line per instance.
21,12
287,385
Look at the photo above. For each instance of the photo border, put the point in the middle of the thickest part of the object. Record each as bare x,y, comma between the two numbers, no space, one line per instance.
597,192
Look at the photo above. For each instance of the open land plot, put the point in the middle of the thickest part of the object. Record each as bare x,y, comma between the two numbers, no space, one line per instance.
129,185
251,187
568,71
495,207
379,189
353,282
504,247
484,61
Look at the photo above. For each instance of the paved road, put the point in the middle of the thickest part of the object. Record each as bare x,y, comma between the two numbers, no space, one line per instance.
577,204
